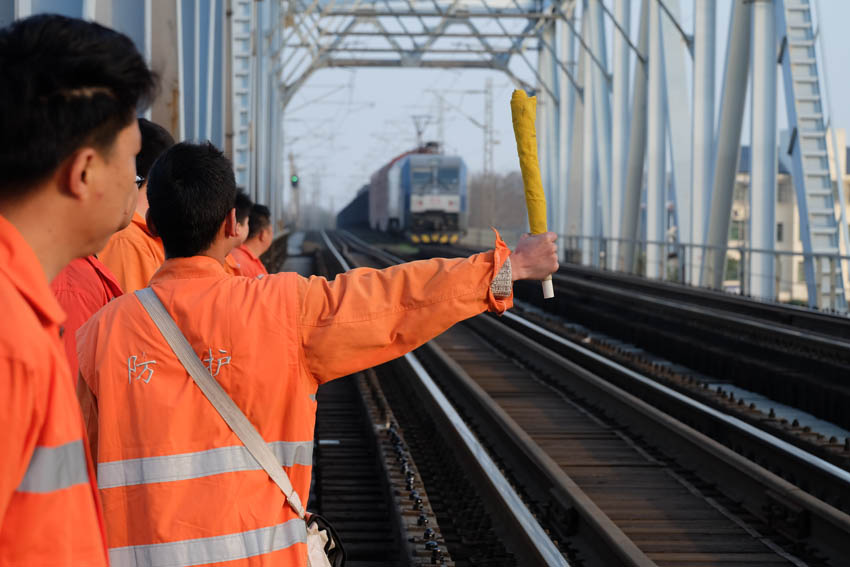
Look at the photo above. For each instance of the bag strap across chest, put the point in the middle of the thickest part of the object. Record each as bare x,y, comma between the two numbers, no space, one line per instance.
224,405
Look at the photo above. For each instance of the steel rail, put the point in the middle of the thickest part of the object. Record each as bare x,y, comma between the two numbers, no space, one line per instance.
706,312
790,315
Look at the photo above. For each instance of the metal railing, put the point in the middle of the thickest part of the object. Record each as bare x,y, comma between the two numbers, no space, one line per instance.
680,261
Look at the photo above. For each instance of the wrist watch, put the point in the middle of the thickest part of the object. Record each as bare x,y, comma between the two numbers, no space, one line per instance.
502,284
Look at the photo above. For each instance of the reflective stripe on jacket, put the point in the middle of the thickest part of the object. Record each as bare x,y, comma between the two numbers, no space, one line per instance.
177,485
49,509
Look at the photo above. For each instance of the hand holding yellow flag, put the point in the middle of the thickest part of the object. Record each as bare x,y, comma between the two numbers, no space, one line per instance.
524,112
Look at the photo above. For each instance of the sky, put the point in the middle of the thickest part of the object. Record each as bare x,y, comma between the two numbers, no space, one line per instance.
344,124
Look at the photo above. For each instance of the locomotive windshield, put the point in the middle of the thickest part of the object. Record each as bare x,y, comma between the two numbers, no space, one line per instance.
448,179
435,180
422,180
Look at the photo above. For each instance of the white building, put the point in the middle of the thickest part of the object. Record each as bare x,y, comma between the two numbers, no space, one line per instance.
791,281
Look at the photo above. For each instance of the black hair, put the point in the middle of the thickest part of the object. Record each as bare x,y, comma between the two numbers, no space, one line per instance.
64,83
243,206
155,140
261,217
191,189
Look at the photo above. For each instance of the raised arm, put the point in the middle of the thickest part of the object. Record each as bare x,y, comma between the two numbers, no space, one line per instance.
366,317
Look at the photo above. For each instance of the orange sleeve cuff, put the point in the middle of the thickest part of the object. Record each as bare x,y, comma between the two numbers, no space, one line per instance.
500,254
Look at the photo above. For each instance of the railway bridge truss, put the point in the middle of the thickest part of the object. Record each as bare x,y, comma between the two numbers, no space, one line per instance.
634,158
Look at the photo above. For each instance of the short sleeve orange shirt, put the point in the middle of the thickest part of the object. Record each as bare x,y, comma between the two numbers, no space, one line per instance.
231,265
49,507
249,264
133,255
82,287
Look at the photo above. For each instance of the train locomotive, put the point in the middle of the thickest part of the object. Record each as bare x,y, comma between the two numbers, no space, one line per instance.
420,194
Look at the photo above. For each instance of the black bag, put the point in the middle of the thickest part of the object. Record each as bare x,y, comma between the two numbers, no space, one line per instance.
334,549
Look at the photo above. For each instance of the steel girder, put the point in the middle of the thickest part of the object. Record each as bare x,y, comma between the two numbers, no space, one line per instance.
414,33
728,143
589,201
637,148
567,96
601,117
674,46
656,185
763,175
702,147
620,125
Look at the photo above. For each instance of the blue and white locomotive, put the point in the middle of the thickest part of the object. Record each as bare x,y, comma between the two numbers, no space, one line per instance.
422,194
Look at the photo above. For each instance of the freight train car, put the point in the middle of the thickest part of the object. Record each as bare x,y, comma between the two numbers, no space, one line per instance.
422,194
356,213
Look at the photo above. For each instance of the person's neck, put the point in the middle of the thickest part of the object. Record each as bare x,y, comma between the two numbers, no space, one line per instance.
49,240
254,246
219,249
142,204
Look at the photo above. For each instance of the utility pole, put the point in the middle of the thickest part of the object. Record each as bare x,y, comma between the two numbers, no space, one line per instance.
489,138
441,134
486,125
314,205
296,195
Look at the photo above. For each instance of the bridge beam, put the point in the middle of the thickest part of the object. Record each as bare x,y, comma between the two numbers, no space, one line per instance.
763,175
703,132
656,185
728,142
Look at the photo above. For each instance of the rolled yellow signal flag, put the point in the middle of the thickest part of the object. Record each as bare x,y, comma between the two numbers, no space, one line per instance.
524,112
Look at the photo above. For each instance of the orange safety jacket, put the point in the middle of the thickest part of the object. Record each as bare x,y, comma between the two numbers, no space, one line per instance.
177,485
49,507
82,287
249,264
133,255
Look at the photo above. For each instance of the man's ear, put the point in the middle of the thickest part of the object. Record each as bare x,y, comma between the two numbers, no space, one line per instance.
230,230
266,235
77,173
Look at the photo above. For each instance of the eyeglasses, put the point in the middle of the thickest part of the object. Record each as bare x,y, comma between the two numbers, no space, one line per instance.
140,181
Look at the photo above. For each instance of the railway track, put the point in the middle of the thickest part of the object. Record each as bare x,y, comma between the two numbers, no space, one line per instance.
348,485
616,466
797,367
363,472
801,318
445,516
690,339
823,323
703,346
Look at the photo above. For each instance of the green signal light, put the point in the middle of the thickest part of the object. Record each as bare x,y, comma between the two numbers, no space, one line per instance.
294,179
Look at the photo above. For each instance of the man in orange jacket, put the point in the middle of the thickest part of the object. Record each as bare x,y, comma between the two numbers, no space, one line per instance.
69,91
134,254
87,284
260,237
178,486
243,211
